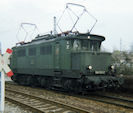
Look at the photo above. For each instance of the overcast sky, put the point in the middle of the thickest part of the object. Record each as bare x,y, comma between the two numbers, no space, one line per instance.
115,19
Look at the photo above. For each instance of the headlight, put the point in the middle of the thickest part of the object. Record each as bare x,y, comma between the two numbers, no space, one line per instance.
112,67
90,67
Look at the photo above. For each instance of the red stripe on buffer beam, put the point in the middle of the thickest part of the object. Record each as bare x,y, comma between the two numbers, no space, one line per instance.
9,51
9,74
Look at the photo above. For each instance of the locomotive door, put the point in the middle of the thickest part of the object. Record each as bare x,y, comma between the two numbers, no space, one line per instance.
57,56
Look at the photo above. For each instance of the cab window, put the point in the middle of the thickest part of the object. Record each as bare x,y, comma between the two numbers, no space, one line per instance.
85,44
95,45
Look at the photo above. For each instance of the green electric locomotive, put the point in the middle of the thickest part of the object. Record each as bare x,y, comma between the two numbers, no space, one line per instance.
70,61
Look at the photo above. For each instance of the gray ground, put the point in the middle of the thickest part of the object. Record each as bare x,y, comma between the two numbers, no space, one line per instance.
12,108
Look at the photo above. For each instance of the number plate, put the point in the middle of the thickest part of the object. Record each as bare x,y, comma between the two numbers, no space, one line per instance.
99,72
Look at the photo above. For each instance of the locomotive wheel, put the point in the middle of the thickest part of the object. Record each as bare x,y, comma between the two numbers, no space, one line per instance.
33,81
77,86
25,80
43,82
48,83
29,81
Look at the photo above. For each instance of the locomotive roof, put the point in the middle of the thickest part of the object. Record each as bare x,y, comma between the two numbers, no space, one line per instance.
50,38
70,36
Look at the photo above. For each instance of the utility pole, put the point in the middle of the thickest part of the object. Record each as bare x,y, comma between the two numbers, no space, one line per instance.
120,44
4,70
55,32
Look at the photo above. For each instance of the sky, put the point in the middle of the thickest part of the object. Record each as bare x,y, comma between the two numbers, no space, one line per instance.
114,20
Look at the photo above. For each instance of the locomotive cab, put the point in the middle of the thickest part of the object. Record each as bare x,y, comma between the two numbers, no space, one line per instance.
87,60
87,57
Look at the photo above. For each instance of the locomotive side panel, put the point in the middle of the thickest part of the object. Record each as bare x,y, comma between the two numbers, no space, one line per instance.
19,59
67,61
45,59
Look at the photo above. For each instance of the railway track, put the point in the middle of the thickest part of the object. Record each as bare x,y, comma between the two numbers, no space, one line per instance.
39,104
121,102
113,100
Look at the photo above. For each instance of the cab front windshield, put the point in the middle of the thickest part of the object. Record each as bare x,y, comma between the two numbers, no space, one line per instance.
84,44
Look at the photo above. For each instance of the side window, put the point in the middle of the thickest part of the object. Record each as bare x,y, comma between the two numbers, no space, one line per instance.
21,52
68,45
43,50
32,51
46,50
76,44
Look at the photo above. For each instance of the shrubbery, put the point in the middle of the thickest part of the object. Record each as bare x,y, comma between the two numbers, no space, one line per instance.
123,62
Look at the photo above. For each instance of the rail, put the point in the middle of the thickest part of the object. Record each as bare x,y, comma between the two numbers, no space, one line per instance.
40,104
120,101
